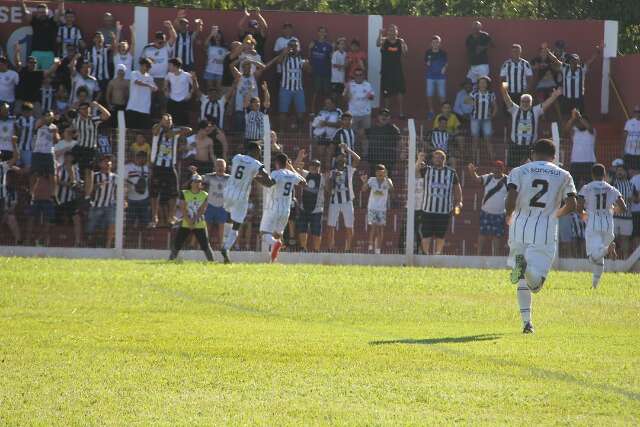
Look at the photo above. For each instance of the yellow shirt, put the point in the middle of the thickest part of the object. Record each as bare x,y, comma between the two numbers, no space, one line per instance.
452,123
135,148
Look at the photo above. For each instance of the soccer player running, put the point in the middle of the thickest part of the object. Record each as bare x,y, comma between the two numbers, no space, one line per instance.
535,192
276,216
244,168
599,198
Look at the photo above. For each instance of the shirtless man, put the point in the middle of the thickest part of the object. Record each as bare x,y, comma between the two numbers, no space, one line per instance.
203,146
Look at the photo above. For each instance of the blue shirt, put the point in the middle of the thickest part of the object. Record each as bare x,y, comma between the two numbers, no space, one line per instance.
435,62
320,58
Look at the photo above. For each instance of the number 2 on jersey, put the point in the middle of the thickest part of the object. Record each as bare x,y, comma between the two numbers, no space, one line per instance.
239,172
545,187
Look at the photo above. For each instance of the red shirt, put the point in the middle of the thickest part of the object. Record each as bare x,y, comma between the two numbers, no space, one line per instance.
356,60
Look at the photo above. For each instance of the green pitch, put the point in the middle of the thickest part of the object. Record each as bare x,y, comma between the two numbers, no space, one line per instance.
126,342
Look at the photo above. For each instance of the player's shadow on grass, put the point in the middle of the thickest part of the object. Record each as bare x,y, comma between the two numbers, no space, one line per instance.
443,340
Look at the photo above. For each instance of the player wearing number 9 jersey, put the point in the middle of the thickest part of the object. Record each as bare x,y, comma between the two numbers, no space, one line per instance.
598,198
278,204
244,168
535,193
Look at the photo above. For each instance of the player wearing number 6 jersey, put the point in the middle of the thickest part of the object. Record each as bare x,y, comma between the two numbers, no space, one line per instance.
244,168
598,198
535,192
276,214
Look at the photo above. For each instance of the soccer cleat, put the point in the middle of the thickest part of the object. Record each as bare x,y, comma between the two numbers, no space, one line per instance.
275,250
528,328
225,256
517,272
595,281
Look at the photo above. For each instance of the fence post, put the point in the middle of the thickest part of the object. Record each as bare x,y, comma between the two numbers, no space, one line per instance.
411,194
122,133
267,167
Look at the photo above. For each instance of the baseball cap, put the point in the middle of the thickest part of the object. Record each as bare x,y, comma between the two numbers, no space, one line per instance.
617,162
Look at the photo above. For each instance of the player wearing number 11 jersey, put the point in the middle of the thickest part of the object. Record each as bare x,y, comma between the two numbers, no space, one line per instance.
276,214
244,168
535,192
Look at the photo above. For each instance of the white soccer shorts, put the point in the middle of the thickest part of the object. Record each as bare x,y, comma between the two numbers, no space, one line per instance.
598,241
375,217
334,212
237,209
274,222
623,226
539,257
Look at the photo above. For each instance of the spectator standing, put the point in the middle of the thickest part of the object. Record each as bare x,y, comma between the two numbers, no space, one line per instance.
26,130
9,80
45,32
340,188
442,197
485,109
68,33
282,44
118,91
344,137
42,161
87,126
635,209
41,210
213,105
137,185
436,62
102,191
356,59
140,144
440,138
256,27
583,147
108,27
30,80
8,139
524,123
141,87
324,126
65,145
69,186
215,215
185,40
320,54
159,52
255,114
478,44
463,105
379,187
179,88
339,67
246,84
393,50
517,72
216,52
632,141
623,220
383,142
82,79
99,56
7,199
228,73
492,212
122,50
359,96
311,206
574,75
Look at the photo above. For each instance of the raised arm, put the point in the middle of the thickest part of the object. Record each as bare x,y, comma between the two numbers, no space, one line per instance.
473,173
266,96
242,23
172,33
223,141
26,13
132,44
17,55
262,23
104,113
549,101
354,156
380,38
594,56
504,90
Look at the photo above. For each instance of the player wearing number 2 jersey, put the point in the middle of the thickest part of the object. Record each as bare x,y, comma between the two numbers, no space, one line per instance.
598,198
535,192
244,168
278,204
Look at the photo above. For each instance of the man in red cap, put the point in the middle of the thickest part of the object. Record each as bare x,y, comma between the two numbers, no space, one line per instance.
492,214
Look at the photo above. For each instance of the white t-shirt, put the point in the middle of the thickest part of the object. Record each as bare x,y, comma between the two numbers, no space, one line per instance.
215,59
338,58
126,60
541,187
281,194
180,84
78,81
215,189
62,147
378,193
635,181
495,191
599,198
252,57
584,146
359,102
245,85
8,82
327,132
133,174
7,132
44,139
243,169
140,96
632,144
160,58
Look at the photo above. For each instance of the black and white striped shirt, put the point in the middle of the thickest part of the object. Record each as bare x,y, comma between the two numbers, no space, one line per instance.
184,47
26,131
213,110
104,190
516,74
342,189
46,98
98,57
67,193
440,140
345,136
68,36
87,131
482,105
625,187
438,189
292,73
573,81
7,132
254,124
4,168
524,124
164,150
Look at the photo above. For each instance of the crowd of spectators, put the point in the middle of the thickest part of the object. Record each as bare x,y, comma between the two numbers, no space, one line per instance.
62,91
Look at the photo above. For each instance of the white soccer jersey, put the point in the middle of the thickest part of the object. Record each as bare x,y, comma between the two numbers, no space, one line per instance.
541,187
216,185
379,193
599,198
243,169
281,194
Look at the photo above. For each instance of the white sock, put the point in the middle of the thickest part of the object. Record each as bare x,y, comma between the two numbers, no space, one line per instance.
230,239
524,301
268,239
597,268
227,227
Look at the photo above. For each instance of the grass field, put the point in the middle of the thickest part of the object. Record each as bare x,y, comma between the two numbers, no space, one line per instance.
125,342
